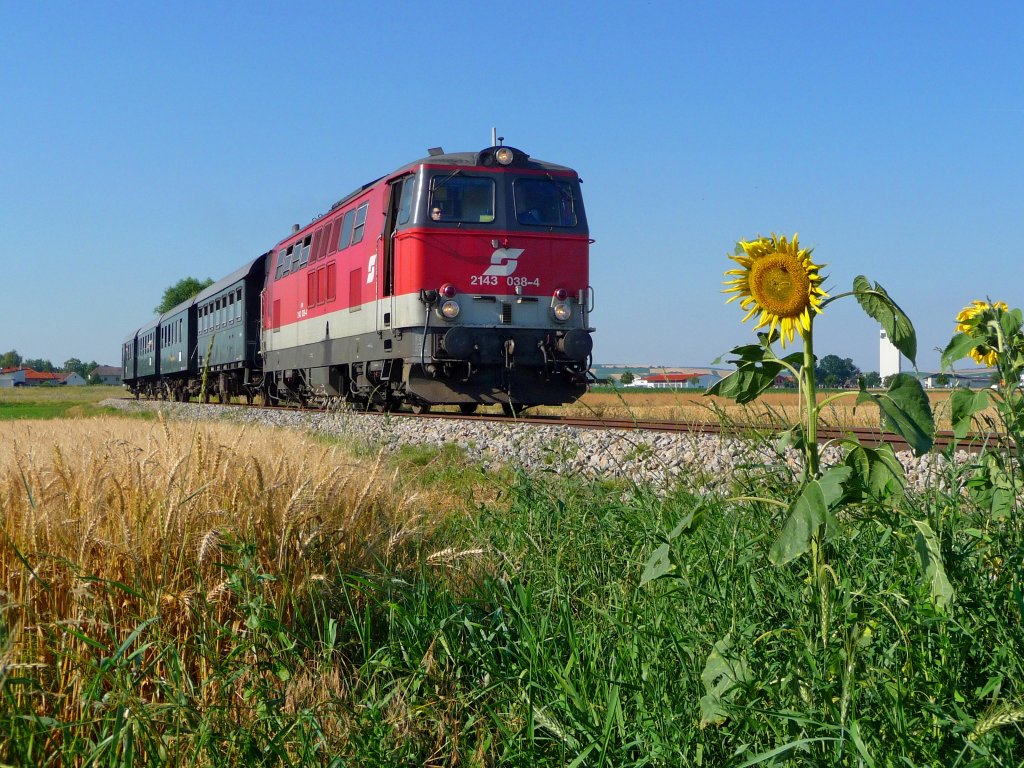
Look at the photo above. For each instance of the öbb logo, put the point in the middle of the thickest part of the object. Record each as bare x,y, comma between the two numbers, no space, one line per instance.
504,262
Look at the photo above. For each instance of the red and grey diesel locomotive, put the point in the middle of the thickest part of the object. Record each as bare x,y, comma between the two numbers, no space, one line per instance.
458,279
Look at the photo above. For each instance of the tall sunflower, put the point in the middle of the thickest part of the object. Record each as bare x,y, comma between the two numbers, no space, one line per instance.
974,321
778,279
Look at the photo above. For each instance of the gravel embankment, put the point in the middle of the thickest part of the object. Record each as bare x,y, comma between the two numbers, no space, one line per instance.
707,462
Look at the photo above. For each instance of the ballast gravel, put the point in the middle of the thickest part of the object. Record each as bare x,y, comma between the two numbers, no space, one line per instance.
709,463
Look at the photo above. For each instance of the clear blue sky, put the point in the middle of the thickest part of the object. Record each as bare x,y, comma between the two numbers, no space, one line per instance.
144,142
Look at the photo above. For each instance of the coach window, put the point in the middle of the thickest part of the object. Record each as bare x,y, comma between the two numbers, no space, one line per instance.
462,198
357,231
231,309
238,304
544,202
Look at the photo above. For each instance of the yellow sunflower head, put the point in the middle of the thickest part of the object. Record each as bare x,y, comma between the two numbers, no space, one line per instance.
974,321
778,279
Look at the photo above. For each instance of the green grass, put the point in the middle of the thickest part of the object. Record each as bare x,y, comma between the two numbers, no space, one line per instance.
546,650
54,402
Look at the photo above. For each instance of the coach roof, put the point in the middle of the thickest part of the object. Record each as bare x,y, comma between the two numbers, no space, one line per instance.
234,277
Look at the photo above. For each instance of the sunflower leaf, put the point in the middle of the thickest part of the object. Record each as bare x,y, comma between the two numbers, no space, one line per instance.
725,671
963,405
879,306
905,411
877,473
930,555
959,347
747,382
808,513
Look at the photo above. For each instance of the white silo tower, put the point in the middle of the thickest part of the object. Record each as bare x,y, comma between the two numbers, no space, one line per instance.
889,360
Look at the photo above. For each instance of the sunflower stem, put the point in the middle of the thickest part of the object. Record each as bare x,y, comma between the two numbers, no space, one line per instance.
818,557
811,405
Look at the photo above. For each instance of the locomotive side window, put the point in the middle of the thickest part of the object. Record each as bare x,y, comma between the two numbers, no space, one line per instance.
545,202
331,236
304,255
462,198
346,230
357,230
318,245
285,260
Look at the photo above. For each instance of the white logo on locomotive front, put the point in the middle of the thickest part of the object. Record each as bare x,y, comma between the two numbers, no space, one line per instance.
504,262
371,269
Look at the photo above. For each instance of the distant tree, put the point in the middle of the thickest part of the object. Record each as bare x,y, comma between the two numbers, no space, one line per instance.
872,379
38,364
835,371
888,380
10,359
941,380
183,290
627,378
74,365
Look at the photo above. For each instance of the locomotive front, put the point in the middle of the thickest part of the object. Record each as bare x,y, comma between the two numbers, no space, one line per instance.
485,264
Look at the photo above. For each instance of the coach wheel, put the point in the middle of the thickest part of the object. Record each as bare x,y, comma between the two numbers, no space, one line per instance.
467,409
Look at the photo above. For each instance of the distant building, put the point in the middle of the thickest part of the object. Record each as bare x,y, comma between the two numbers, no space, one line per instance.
72,379
12,377
26,377
108,374
889,361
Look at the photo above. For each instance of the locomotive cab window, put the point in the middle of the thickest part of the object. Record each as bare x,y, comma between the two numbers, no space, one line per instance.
461,199
545,203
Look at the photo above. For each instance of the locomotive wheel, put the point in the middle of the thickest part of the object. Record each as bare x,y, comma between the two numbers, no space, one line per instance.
467,409
419,408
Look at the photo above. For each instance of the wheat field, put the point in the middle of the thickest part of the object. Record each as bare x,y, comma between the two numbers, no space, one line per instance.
112,524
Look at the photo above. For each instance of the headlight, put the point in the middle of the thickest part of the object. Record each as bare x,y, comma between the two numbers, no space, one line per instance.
450,309
561,311
504,156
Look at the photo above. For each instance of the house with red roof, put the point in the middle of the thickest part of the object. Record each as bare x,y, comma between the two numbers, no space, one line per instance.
27,377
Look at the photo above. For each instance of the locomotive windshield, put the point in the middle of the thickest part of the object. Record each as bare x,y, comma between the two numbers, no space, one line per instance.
545,202
462,198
